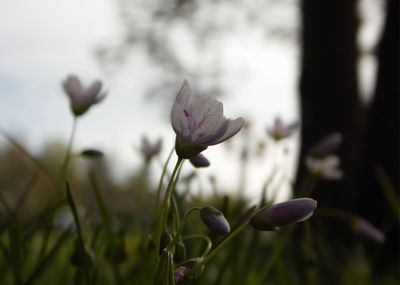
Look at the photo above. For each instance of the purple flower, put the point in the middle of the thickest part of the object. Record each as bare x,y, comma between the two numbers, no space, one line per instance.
326,167
215,220
281,131
364,228
199,122
281,214
81,99
148,149
199,161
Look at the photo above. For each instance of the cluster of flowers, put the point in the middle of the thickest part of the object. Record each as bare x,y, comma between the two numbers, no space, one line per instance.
198,123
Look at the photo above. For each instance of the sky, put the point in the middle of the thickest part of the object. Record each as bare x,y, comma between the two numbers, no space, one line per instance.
43,41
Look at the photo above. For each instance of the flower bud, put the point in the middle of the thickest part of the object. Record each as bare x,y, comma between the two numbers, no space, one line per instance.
92,153
184,268
281,214
215,220
199,161
364,228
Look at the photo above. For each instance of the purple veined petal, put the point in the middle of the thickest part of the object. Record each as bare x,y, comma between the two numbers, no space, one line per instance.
73,86
184,94
220,128
233,128
208,119
179,122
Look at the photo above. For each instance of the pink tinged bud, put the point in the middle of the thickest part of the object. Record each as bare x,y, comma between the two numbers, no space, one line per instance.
215,220
180,273
328,145
199,122
199,161
364,228
182,270
281,214
81,99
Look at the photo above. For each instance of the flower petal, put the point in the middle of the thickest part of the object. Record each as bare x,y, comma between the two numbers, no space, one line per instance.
73,86
233,127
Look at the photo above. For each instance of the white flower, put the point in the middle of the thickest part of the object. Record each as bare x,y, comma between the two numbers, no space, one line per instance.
326,167
280,131
81,99
199,122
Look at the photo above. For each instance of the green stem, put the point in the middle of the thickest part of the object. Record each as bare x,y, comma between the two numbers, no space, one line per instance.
64,167
181,227
162,217
79,231
203,237
219,247
160,184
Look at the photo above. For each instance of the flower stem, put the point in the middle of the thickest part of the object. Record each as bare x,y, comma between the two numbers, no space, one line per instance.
203,237
219,247
162,216
64,168
181,226
164,171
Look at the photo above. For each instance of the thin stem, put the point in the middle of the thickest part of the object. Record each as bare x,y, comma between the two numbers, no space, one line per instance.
203,237
181,227
79,231
219,247
64,168
162,217
164,171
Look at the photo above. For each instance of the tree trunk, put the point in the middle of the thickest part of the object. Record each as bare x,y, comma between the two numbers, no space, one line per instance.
328,91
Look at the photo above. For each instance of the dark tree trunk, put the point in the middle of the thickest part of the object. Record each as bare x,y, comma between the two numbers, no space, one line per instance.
329,102
382,141
328,91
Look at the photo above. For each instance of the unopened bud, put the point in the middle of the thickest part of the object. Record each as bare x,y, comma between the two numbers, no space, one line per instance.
215,220
281,214
199,161
92,153
182,270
